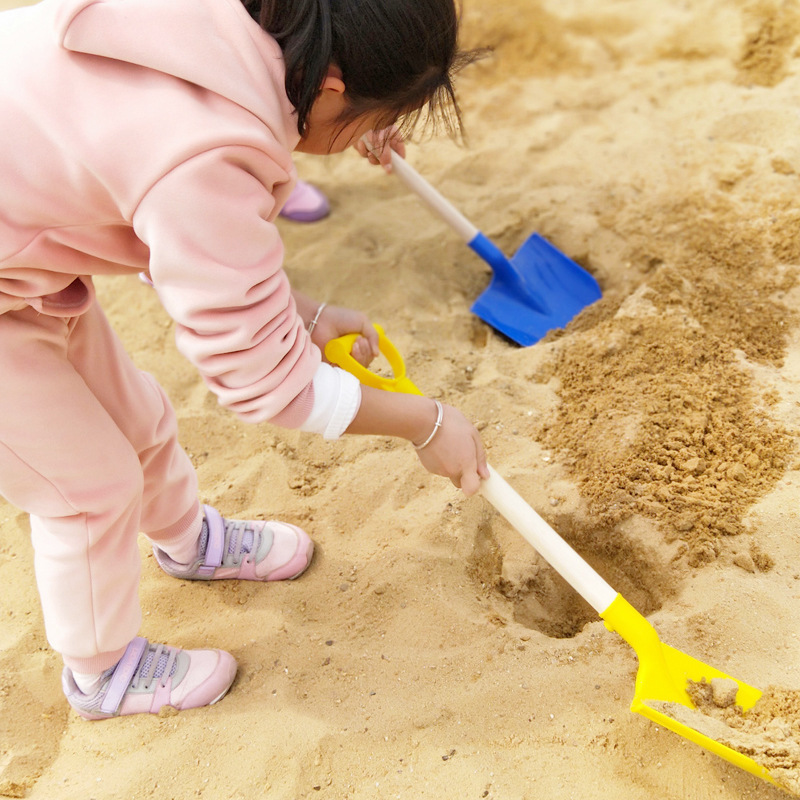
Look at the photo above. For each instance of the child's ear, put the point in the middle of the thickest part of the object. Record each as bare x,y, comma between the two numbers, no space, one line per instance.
333,80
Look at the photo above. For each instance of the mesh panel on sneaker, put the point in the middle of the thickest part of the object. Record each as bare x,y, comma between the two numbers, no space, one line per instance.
161,665
204,536
236,530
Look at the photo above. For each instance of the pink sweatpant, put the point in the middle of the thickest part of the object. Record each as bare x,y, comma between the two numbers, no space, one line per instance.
88,448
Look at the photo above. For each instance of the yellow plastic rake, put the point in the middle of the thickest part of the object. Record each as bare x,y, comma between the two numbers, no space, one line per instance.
663,672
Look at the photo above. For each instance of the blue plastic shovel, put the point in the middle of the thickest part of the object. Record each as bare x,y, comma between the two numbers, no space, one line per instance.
538,290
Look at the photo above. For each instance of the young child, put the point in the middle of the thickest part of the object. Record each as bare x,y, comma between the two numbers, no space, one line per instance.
156,136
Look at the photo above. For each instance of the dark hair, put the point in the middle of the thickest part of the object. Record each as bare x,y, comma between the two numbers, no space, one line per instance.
396,56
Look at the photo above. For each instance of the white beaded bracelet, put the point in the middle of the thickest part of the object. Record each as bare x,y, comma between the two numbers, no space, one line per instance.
436,426
313,323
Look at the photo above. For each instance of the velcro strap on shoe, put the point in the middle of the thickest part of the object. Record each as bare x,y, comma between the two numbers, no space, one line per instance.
215,547
123,675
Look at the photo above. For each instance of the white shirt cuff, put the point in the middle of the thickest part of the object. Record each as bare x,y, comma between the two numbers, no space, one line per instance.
337,398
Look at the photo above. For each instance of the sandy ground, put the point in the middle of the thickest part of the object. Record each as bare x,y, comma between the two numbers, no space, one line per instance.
429,652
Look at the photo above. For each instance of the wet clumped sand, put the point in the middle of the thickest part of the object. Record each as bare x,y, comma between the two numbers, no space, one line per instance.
700,444
768,733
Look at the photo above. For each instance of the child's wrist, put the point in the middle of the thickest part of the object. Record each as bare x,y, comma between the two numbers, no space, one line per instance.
315,319
436,426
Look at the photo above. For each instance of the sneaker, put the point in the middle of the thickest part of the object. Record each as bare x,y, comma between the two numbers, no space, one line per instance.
306,203
151,676
243,549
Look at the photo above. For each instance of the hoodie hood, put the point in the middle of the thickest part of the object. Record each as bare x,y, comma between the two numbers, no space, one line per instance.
214,44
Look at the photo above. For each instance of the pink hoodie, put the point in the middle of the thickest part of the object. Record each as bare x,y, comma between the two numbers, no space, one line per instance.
156,135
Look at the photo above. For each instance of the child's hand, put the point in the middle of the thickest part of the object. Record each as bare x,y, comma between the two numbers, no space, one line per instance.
379,145
335,321
456,452
452,449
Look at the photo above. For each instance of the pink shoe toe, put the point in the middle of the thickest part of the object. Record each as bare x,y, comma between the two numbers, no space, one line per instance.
290,554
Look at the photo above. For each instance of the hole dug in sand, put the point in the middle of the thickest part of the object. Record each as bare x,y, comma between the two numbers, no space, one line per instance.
543,601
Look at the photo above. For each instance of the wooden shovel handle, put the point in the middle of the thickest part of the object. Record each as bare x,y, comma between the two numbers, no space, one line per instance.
430,196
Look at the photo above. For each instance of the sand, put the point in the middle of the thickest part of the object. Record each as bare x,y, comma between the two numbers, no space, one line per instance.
429,652
768,733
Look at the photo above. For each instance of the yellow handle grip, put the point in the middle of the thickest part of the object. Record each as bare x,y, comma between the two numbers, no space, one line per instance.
338,351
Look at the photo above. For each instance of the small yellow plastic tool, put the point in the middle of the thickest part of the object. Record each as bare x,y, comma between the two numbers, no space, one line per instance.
663,671
337,351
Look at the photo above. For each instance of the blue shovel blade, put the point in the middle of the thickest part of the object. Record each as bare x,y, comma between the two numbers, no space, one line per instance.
537,291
